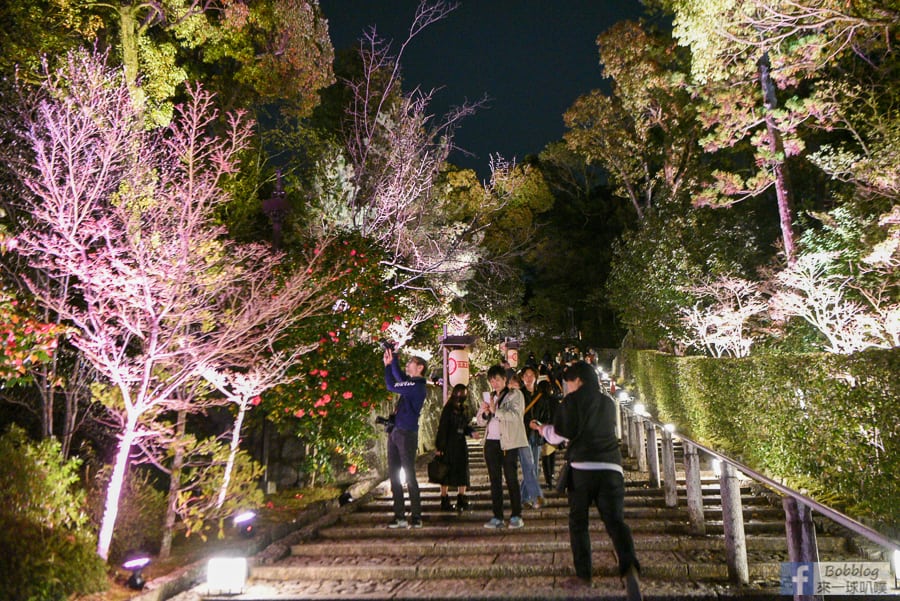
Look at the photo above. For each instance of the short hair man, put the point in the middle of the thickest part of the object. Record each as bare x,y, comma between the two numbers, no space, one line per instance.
501,416
403,439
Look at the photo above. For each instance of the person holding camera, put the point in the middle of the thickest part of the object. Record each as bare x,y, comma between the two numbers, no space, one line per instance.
586,418
501,415
403,436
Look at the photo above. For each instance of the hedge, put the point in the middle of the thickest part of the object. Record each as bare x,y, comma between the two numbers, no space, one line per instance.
826,423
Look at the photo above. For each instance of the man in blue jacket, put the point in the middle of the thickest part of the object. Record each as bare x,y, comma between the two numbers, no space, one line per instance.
403,439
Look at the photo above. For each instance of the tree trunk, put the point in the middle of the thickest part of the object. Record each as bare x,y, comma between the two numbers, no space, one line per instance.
174,486
235,441
782,193
114,488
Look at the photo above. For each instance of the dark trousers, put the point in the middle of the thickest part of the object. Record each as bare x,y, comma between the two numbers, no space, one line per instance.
503,464
548,462
401,453
604,489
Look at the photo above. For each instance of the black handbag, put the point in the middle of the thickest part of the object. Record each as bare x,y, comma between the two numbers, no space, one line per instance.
437,470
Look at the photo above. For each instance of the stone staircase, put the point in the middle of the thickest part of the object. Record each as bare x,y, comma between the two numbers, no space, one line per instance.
454,557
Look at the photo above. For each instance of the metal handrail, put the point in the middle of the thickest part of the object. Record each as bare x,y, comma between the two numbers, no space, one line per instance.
834,515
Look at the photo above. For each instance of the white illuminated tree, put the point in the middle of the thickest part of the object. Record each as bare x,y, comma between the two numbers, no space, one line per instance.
156,289
811,290
720,321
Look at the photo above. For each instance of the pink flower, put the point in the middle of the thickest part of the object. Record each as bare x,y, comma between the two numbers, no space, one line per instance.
365,404
255,401
323,373
352,469
322,412
299,413
314,372
353,253
324,385
347,395
385,325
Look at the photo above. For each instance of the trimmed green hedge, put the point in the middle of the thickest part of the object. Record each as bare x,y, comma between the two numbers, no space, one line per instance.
823,422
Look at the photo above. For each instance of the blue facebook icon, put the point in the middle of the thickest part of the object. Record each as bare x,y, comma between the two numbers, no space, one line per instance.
798,579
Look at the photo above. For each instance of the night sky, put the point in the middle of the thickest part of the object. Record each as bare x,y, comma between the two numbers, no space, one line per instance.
532,58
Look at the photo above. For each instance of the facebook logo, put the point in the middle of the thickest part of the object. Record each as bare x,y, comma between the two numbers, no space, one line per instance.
798,579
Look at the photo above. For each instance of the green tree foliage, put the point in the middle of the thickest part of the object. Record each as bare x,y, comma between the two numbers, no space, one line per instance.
49,549
250,53
329,406
678,246
644,133
748,53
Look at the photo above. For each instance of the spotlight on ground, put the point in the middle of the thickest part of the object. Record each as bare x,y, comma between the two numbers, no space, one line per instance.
244,523
135,564
226,575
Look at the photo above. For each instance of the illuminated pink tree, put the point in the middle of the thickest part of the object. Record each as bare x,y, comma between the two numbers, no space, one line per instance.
126,216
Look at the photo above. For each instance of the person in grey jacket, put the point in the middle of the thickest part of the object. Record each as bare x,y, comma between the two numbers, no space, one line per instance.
501,416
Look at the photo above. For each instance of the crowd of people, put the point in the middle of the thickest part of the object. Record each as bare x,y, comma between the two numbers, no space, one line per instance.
527,418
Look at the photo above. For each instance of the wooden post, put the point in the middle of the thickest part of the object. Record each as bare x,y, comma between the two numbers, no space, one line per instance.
652,454
668,463
639,443
733,523
694,491
801,535
625,429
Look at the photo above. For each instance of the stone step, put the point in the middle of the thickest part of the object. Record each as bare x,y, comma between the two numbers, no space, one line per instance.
632,488
529,588
540,544
506,566
479,496
542,526
481,512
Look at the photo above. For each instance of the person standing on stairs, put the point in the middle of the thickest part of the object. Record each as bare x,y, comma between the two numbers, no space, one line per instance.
536,407
450,443
586,418
501,416
403,439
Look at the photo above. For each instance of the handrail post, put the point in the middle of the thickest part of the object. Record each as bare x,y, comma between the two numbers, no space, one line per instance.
668,462
652,454
639,443
694,490
626,429
733,523
801,535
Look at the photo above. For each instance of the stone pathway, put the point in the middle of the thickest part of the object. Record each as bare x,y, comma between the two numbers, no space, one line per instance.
454,557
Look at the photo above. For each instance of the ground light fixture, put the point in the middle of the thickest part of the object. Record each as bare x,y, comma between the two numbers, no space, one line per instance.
670,428
624,396
895,560
135,564
226,575
640,409
244,523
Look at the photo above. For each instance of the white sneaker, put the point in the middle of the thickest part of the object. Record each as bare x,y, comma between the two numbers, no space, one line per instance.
398,524
516,522
494,523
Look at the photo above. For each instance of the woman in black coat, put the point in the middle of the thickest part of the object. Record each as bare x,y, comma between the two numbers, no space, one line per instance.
450,444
